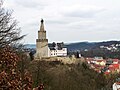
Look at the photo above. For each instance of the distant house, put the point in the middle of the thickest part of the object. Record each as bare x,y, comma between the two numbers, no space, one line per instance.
101,65
98,58
109,62
57,49
101,62
116,86
114,67
88,60
115,61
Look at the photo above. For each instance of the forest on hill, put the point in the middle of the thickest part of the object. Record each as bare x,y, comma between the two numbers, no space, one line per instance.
89,45
110,49
18,72
58,76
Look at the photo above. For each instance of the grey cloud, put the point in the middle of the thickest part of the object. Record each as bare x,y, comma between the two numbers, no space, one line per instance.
56,22
83,13
83,23
30,4
32,23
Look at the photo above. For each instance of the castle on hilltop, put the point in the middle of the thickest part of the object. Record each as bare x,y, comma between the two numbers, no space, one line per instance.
43,49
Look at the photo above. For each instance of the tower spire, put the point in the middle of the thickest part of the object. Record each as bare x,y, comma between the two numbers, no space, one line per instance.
42,25
42,42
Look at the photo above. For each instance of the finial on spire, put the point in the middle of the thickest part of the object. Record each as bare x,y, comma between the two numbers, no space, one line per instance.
42,20
42,25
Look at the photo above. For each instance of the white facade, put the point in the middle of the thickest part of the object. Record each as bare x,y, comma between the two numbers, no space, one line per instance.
98,58
116,86
62,52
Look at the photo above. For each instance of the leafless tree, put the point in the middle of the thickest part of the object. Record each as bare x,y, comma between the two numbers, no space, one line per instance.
9,30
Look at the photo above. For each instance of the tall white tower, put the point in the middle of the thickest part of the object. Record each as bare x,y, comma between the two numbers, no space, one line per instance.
42,49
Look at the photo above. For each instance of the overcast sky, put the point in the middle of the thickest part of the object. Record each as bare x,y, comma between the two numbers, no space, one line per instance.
68,20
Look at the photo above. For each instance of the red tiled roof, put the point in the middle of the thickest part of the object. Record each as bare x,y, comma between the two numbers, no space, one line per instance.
106,73
113,67
101,61
115,60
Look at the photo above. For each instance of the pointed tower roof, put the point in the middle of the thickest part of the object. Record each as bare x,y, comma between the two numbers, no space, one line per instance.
42,25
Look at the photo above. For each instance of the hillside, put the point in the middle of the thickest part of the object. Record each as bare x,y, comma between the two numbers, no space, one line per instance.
82,45
58,76
89,45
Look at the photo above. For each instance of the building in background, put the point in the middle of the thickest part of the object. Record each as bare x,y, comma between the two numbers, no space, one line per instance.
116,85
57,49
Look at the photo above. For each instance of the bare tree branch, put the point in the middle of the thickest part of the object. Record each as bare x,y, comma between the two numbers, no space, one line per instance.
9,31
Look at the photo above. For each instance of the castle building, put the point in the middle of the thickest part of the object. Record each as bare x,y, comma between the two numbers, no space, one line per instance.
43,49
57,49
